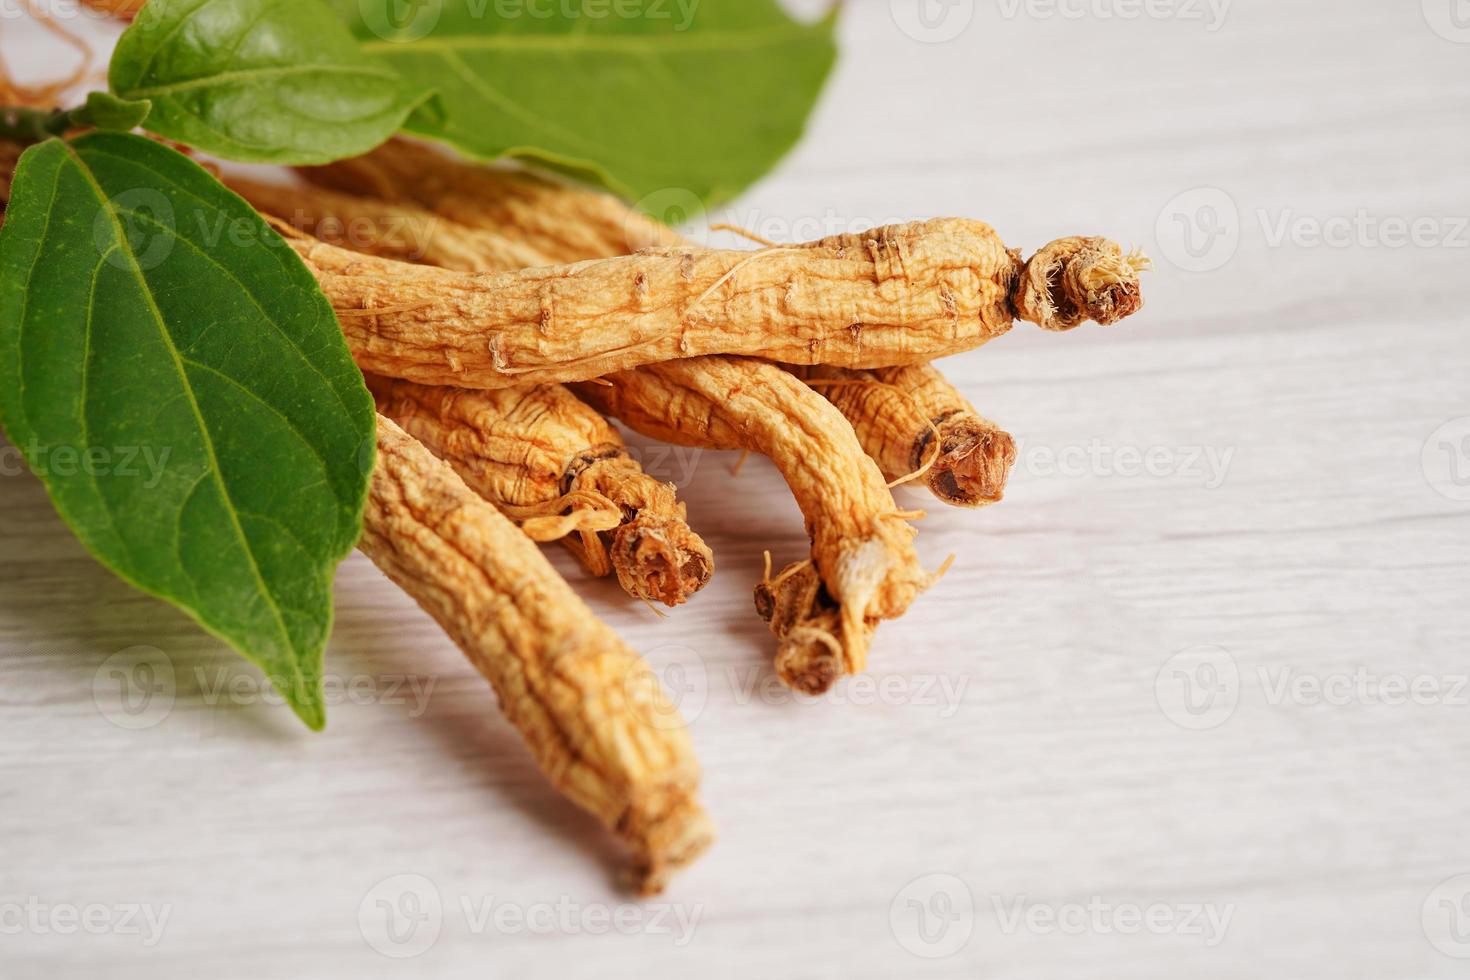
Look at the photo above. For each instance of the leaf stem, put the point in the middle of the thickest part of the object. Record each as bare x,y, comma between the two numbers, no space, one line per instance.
20,124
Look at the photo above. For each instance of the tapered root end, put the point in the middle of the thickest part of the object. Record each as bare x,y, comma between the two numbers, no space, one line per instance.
660,559
665,835
975,461
812,651
1074,280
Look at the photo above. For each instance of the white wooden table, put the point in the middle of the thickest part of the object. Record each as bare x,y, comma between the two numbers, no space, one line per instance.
1192,703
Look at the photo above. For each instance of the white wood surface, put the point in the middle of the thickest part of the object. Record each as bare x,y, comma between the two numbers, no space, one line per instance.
1050,772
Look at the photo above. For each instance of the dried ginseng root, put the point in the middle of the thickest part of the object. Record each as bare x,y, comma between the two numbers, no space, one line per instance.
919,427
862,546
556,467
588,707
405,233
897,417
567,223
904,294
807,624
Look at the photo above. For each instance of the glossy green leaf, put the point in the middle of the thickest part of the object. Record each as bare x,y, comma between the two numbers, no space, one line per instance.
171,370
692,96
264,81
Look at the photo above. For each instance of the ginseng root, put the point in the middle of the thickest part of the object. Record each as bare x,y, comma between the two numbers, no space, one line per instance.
407,234
807,624
568,223
557,468
598,725
896,416
899,295
916,424
862,547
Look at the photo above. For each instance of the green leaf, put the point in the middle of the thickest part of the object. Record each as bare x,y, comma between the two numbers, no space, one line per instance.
172,372
263,81
106,111
645,96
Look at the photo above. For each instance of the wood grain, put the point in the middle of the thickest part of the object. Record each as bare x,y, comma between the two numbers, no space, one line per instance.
1047,772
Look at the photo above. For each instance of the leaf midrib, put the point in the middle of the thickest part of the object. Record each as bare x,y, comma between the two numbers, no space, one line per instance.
252,74
125,248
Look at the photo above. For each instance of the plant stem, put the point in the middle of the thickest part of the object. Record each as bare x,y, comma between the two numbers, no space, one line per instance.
25,125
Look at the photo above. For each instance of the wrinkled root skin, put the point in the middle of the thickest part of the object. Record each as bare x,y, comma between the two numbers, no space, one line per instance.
974,463
807,623
654,553
525,451
568,223
861,545
1074,280
590,709
897,412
